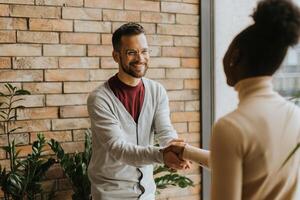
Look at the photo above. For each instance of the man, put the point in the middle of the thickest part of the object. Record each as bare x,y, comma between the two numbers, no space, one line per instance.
125,113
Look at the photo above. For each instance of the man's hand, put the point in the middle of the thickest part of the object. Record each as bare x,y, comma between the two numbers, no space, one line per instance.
173,155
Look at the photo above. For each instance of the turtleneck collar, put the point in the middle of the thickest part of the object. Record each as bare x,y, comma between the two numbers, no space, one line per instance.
254,86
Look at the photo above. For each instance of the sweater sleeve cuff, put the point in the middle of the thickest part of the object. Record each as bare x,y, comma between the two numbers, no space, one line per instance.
158,155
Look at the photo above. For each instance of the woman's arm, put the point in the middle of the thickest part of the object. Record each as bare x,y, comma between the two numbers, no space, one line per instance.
197,155
226,161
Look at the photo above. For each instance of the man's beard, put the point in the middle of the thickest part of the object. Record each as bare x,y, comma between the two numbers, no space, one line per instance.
131,69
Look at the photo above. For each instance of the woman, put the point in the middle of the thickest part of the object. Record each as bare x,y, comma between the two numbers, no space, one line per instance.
250,144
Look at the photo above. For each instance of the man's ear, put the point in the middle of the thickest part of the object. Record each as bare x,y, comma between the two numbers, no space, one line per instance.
116,56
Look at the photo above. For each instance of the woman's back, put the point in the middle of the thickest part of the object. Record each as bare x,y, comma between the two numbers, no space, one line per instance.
267,128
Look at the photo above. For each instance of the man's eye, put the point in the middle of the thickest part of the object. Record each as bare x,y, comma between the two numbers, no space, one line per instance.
131,53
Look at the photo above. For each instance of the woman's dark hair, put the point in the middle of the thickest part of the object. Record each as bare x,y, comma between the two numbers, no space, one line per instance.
128,29
264,44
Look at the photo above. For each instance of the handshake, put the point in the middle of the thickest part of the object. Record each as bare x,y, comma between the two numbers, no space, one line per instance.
173,155
179,155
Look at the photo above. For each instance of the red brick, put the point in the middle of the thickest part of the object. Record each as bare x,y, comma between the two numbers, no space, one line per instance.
115,15
4,90
64,50
20,139
35,62
172,84
176,106
183,95
115,4
164,62
186,41
80,87
13,23
82,13
59,2
187,19
79,62
156,73
192,84
29,2
60,136
185,117
21,75
5,164
183,73
106,39
27,149
31,126
66,99
180,127
190,62
155,17
67,75
4,10
20,50
188,52
192,105
68,124
142,5
79,135
191,137
191,1
37,37
80,38
160,40
37,113
32,101
43,88
50,25
108,63
102,74
5,63
92,26
194,127
155,51
100,50
173,7
174,29
73,111
35,11
72,147
149,28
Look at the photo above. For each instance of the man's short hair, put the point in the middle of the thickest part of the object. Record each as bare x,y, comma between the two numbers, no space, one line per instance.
127,29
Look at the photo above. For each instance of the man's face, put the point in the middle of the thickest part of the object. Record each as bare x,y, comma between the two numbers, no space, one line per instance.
133,56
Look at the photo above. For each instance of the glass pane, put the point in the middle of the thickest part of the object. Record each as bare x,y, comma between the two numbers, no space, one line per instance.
287,79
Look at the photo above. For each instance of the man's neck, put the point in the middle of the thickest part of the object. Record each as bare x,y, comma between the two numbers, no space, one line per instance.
128,80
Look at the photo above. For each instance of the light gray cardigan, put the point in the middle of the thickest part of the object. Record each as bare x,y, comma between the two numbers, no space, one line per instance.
123,152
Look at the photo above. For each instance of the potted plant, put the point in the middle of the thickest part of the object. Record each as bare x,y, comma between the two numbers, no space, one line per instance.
22,179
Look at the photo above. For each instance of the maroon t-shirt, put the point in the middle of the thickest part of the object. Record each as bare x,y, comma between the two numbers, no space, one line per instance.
131,97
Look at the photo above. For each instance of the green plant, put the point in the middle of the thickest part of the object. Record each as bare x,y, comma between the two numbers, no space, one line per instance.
169,178
22,180
75,167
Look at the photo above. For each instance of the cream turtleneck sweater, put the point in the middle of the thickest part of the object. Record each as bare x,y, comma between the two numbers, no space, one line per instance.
250,144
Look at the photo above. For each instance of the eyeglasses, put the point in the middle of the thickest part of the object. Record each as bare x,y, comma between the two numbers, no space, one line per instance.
135,53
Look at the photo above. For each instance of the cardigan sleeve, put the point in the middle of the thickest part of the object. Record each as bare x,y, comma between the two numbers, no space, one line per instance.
226,161
108,133
164,131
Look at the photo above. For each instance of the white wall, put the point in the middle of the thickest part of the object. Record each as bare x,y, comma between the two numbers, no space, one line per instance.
231,16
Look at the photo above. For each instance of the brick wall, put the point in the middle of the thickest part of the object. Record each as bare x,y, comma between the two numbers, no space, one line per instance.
60,50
